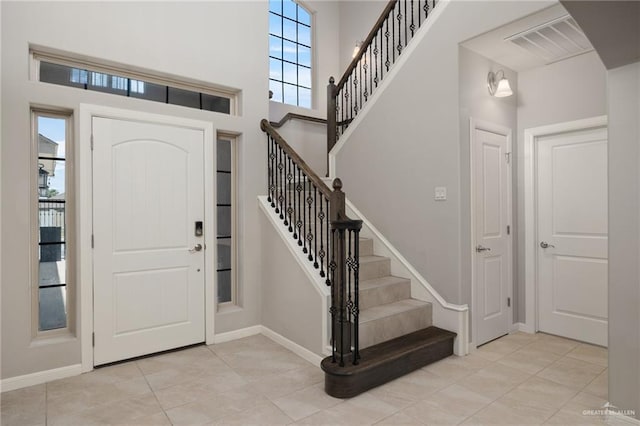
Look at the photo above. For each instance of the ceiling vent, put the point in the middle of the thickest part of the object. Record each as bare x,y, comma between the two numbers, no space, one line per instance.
553,41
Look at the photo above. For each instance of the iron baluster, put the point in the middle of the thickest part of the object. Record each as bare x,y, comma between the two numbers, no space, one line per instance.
310,233
322,253
413,26
399,18
356,291
299,189
329,243
315,227
387,63
285,191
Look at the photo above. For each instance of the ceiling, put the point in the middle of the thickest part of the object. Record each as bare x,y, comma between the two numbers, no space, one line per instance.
548,36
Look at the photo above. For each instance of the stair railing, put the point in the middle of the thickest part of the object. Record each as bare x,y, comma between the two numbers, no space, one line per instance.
316,217
391,33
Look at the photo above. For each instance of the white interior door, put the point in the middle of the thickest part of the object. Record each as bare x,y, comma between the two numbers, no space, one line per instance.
572,235
491,165
148,192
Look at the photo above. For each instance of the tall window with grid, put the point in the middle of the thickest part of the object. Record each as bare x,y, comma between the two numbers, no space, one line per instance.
290,53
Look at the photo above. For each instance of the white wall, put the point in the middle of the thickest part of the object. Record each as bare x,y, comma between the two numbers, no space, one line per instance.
291,305
408,141
197,41
567,90
624,237
477,103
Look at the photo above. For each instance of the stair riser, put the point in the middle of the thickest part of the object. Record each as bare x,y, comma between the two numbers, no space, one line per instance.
387,294
375,269
387,328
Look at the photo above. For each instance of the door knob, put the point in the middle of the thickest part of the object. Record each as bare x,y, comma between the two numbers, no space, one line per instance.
479,248
544,244
196,248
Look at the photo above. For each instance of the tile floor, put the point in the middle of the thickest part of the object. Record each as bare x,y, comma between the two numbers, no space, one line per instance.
518,379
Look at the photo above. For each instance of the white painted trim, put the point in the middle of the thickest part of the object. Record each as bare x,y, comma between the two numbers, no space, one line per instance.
389,77
445,315
306,266
237,334
530,207
615,419
475,124
301,351
522,327
40,377
84,180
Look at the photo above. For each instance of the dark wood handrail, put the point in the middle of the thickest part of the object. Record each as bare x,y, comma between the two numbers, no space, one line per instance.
292,115
367,41
313,177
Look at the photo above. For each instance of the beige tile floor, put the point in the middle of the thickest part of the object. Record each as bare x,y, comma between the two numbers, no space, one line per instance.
518,379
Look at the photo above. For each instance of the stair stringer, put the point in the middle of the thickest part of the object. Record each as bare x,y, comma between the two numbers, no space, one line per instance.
317,282
389,77
444,315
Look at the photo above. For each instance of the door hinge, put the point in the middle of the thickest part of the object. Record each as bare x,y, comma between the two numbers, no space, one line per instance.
508,229
507,156
92,241
92,142
93,339
508,302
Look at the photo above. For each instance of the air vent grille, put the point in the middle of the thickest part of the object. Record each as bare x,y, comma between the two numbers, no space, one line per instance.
553,41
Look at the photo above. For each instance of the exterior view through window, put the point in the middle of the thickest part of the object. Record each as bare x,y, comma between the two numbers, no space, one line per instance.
290,53
226,219
52,220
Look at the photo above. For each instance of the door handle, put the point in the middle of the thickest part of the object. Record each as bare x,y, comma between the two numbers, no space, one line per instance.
544,244
196,248
479,248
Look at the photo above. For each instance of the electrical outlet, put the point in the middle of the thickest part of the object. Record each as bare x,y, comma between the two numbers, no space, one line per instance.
440,193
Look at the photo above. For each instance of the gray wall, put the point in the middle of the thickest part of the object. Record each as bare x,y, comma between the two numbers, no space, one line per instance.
409,142
291,306
568,90
356,20
178,39
624,237
475,102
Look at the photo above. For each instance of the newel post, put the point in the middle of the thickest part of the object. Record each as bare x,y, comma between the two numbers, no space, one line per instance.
332,126
341,326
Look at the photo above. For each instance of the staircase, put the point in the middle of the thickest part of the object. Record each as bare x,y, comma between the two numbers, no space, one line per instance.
378,331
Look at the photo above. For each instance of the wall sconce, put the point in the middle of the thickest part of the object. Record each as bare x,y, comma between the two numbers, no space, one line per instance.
356,49
498,84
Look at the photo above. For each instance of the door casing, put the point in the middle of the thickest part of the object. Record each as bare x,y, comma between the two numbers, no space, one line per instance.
474,125
530,209
85,215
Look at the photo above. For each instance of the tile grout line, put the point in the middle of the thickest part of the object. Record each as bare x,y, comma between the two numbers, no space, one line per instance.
153,392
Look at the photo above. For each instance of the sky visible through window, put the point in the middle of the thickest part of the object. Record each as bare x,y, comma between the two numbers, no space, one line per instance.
290,53
54,129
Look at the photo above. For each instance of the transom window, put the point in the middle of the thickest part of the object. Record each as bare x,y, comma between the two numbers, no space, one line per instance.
290,53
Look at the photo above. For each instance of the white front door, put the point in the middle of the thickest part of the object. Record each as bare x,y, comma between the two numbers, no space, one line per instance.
572,234
148,193
492,257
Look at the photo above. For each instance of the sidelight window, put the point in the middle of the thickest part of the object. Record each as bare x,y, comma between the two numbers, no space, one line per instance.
53,195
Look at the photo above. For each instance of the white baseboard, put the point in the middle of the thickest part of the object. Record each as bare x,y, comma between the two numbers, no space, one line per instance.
237,334
620,420
40,377
525,328
302,352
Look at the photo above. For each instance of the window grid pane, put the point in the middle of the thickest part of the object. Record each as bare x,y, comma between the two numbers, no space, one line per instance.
52,219
225,219
290,53
118,85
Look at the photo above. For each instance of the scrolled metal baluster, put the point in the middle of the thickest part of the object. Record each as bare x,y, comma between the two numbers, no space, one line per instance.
299,189
290,192
315,227
399,18
356,291
279,209
393,34
333,310
406,27
341,289
412,26
310,232
364,68
322,253
329,248
387,63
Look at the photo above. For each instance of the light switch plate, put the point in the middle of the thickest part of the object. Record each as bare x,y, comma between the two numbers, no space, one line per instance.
440,193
